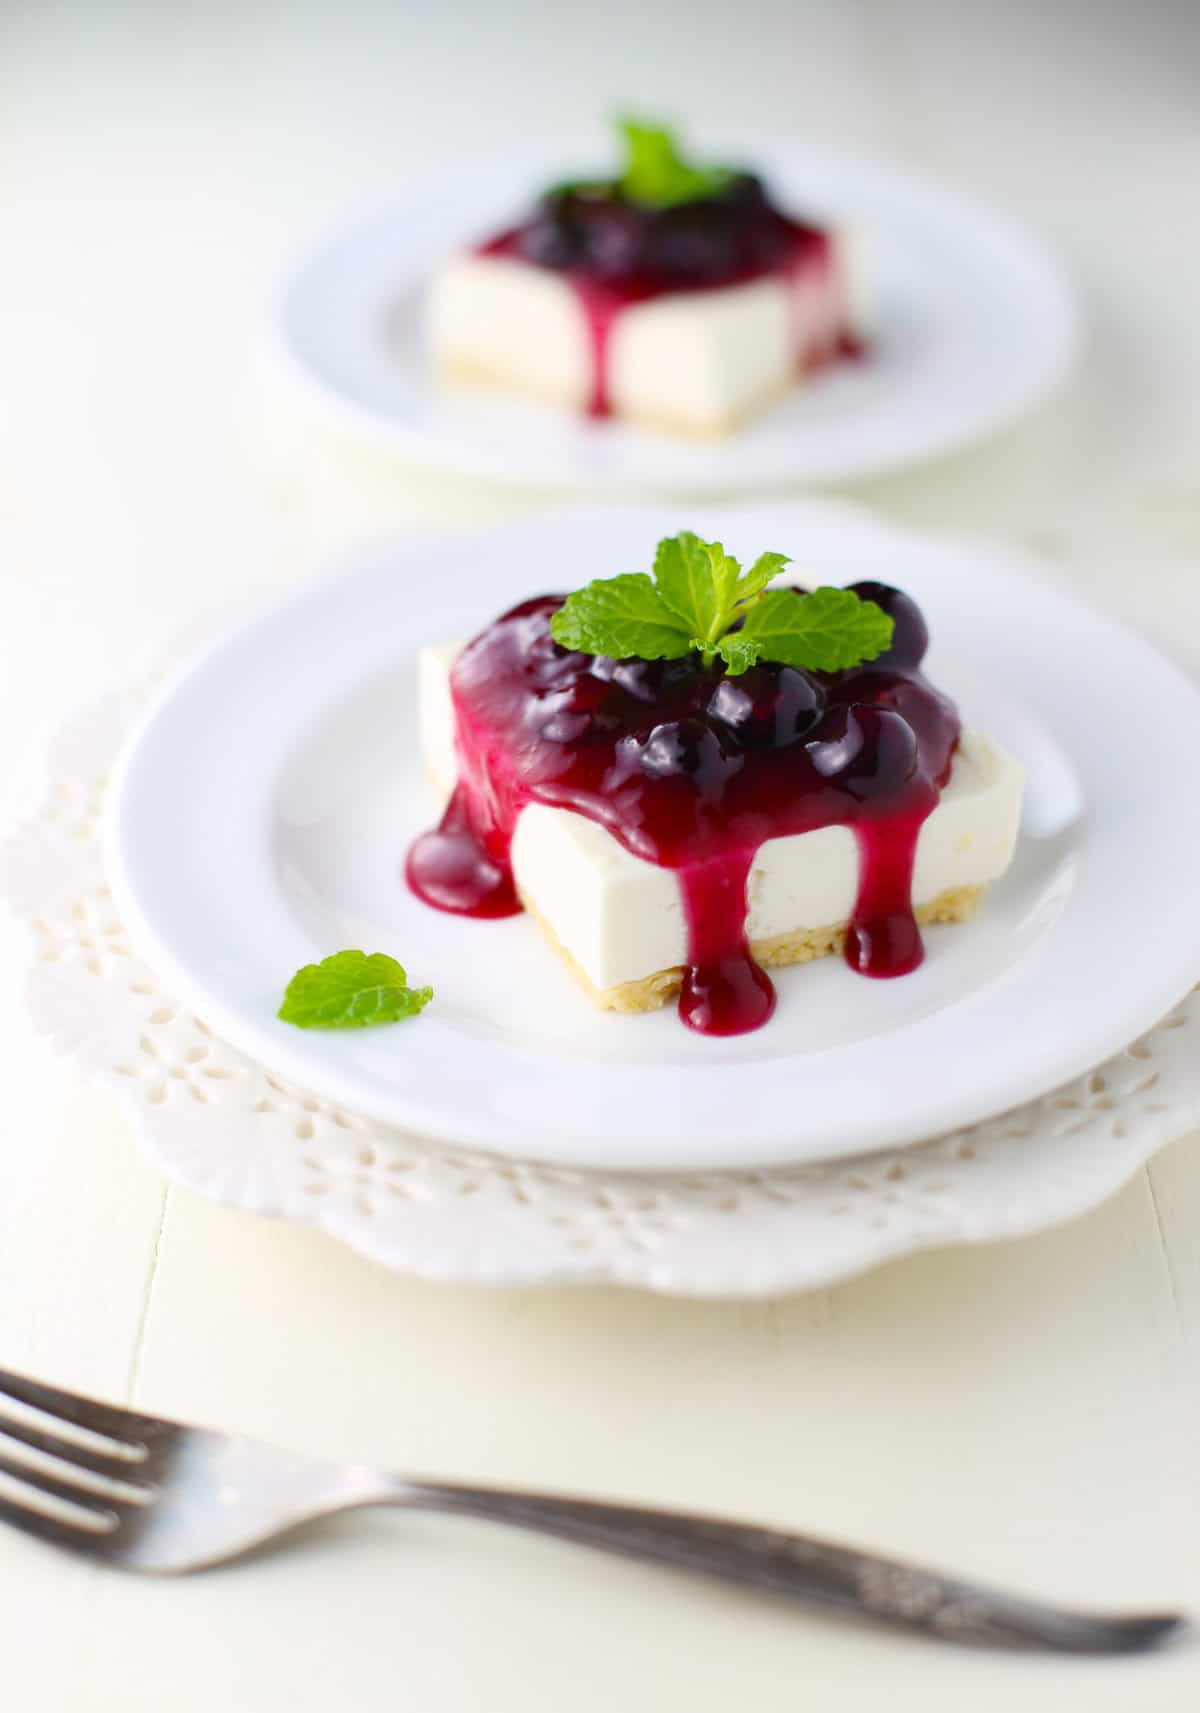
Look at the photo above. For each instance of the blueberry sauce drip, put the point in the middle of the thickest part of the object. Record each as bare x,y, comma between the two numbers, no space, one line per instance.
694,771
615,253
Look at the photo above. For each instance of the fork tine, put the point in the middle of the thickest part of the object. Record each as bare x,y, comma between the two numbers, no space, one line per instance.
48,1486
78,1537
105,1419
111,1465
80,1477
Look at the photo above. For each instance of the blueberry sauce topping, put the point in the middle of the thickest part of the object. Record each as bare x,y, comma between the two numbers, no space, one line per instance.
694,771
593,229
615,252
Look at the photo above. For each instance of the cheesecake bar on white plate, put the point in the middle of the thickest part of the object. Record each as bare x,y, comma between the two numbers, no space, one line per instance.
674,296
688,776
619,920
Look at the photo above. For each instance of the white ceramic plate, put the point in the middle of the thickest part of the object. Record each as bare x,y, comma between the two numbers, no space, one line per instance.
975,325
260,818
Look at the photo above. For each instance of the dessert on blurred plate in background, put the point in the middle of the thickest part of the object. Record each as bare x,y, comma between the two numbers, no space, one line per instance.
673,294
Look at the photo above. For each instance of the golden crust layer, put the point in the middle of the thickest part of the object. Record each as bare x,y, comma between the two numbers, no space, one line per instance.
957,904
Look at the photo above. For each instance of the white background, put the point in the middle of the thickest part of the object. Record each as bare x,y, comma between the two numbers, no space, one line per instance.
1030,1413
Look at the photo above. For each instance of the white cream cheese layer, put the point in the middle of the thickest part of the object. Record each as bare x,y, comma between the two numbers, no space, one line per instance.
697,360
621,918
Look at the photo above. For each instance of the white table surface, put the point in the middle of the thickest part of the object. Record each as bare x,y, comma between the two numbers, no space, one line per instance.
1030,1412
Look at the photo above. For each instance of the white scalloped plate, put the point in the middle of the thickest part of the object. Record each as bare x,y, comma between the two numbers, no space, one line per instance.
261,814
976,325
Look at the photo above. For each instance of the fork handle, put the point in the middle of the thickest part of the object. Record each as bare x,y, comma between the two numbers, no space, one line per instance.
814,1571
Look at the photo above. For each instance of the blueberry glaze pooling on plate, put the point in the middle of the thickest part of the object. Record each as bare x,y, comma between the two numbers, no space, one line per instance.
694,770
615,253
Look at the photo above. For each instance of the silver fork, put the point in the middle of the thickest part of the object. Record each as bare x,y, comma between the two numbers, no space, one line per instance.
155,1496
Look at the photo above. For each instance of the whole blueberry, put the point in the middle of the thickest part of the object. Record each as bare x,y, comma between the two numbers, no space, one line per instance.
641,679
910,638
769,708
688,749
549,241
699,241
867,751
655,681
536,654
549,667
746,193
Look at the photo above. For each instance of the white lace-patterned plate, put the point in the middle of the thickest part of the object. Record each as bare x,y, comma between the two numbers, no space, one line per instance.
214,1120
262,812
975,326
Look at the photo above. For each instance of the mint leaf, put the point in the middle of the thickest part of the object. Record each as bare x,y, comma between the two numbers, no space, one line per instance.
726,574
824,631
754,581
622,616
656,174
683,572
705,587
739,652
351,991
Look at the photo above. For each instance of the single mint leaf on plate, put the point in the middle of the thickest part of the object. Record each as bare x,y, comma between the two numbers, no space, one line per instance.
625,617
825,631
351,991
656,174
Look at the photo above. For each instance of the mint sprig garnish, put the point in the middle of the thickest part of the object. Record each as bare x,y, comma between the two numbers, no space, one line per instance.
696,597
705,587
656,175
351,991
